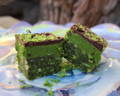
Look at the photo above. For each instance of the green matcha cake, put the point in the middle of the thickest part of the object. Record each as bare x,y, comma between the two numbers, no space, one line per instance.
83,48
38,54
44,54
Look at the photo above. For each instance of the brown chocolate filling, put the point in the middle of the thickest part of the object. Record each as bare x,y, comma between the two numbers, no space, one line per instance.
77,30
27,44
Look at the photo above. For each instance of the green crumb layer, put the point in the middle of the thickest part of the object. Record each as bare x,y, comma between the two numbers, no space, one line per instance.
36,37
50,93
26,86
48,83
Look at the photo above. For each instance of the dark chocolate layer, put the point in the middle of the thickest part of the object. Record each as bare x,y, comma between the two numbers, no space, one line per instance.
43,42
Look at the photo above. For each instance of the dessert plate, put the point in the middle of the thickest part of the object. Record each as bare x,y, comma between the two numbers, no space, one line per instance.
99,83
12,79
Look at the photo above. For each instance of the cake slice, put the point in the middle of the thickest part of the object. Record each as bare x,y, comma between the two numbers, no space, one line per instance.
38,54
83,48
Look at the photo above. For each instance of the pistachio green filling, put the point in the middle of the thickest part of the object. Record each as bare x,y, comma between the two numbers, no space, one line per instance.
81,53
43,50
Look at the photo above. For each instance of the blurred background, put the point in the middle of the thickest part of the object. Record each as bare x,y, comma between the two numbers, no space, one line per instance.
87,12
